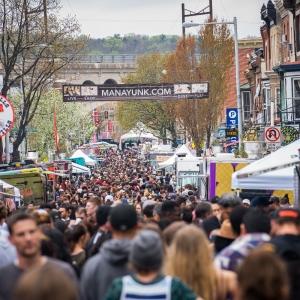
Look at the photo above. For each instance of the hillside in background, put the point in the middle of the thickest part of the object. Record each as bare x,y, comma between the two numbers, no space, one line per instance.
133,44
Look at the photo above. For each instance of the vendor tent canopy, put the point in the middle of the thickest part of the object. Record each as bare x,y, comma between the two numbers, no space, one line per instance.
88,160
139,132
8,186
282,158
133,135
78,169
169,162
273,172
282,179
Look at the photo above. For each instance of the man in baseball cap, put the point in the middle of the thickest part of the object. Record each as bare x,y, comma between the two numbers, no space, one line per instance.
111,262
246,203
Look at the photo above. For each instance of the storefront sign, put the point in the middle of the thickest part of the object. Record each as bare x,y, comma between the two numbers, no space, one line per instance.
7,117
231,133
122,92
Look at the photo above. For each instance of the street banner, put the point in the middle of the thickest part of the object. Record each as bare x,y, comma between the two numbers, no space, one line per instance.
7,117
127,92
96,118
109,126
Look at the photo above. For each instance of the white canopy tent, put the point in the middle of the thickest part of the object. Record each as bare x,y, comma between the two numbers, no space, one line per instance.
169,162
137,135
282,179
78,169
88,160
139,132
273,172
282,158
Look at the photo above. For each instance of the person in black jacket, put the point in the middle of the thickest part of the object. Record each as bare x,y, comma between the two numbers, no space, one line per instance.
226,202
93,245
286,243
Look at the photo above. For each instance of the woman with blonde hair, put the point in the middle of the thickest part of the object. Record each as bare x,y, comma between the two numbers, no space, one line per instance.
190,259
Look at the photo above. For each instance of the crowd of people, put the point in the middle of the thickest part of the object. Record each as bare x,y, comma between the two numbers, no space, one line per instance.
125,233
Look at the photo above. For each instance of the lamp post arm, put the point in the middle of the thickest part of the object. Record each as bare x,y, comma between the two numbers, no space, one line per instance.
192,24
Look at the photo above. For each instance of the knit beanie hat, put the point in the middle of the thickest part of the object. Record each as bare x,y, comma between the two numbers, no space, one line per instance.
146,250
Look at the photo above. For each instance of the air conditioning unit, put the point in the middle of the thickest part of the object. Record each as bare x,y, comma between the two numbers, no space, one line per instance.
289,47
284,38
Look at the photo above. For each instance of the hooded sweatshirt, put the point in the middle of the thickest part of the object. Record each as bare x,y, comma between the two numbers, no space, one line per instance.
101,269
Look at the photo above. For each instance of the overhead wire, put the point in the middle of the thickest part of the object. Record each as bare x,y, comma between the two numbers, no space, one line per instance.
71,7
224,9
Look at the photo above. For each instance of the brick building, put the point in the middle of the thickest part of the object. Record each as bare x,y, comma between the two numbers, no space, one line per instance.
246,47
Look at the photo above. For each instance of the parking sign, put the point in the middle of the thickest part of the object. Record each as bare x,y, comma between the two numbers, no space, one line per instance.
232,116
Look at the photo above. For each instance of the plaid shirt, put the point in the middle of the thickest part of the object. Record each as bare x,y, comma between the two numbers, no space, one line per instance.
230,257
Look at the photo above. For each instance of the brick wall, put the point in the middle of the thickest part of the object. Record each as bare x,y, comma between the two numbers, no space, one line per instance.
230,102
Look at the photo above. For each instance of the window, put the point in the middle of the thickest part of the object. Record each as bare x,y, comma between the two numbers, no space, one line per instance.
102,108
246,105
297,98
189,180
112,117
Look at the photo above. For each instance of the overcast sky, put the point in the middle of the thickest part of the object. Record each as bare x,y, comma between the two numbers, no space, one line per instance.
102,18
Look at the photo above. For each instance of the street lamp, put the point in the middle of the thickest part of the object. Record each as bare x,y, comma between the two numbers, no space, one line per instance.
237,69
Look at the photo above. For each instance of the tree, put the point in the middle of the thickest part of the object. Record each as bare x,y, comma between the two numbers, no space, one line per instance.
34,45
132,44
199,116
216,59
182,66
73,124
153,114
113,44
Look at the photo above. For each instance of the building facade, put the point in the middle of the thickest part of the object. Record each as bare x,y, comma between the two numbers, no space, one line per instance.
245,48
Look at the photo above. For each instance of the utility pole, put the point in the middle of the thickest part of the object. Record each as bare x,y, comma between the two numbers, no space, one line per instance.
208,10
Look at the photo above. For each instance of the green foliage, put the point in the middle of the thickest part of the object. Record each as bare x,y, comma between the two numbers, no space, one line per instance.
240,152
113,44
132,44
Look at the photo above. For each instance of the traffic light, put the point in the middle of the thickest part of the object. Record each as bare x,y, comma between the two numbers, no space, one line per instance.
106,114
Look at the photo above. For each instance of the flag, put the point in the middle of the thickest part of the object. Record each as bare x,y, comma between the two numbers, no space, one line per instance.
56,136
